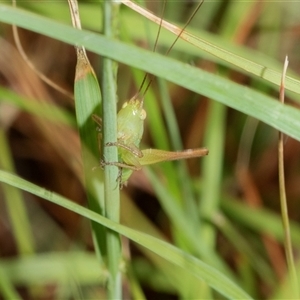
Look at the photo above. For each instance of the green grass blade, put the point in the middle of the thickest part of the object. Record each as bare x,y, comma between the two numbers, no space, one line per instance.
199,269
221,53
59,267
182,223
6,288
181,176
87,102
212,170
258,262
260,220
17,211
282,117
43,110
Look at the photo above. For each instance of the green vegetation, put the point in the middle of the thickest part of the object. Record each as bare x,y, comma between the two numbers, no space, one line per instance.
209,228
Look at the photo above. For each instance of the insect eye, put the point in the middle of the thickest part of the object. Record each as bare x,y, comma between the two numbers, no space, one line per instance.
143,115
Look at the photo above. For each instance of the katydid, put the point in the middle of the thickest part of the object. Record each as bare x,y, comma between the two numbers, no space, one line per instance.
130,128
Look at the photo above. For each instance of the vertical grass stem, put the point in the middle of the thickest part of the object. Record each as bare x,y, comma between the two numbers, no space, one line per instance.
111,184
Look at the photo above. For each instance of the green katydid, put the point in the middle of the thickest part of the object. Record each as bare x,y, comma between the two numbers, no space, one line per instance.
130,128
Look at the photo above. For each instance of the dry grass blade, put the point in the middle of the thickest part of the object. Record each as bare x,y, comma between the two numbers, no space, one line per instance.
32,66
283,200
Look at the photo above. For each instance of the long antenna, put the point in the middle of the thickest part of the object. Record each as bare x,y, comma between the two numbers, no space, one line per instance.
154,49
150,76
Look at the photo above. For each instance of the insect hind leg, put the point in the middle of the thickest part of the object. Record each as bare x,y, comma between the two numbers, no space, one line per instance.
119,164
130,148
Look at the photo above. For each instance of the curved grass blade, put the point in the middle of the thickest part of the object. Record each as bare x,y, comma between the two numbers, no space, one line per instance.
282,117
176,256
